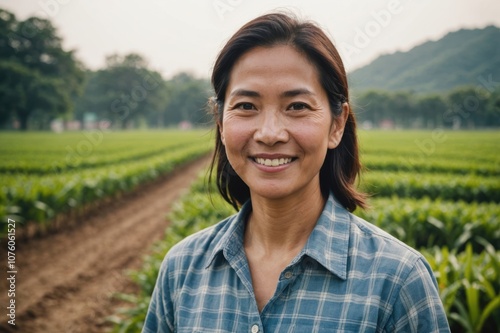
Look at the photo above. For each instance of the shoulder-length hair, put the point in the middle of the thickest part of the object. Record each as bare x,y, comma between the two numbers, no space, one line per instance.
342,165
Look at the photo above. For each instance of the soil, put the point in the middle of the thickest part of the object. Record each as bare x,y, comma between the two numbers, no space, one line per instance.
66,280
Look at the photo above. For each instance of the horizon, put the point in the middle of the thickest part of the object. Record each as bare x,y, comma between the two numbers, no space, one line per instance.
375,28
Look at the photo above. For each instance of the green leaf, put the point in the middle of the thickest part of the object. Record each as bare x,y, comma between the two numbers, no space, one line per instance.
490,307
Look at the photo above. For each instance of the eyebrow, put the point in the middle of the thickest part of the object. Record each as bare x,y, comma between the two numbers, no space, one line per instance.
243,92
288,93
296,92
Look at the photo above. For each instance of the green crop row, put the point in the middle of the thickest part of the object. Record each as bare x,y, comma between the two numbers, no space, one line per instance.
469,188
78,162
40,198
427,223
469,286
406,155
467,146
63,152
103,141
424,165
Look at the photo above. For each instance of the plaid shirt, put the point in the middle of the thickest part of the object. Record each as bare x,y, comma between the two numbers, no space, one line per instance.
350,277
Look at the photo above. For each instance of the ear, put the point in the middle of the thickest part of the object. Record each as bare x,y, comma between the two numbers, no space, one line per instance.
338,125
221,132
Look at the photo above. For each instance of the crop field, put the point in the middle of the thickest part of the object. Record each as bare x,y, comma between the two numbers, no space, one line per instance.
436,191
43,175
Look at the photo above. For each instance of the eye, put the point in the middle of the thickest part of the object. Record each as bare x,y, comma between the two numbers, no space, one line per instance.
298,106
245,106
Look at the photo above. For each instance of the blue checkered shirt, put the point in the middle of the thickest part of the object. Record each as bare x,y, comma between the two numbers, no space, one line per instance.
350,277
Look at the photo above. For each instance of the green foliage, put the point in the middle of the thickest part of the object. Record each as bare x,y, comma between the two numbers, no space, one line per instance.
449,165
462,107
469,286
395,162
430,87
434,66
36,75
127,91
73,151
469,188
188,99
39,198
124,91
427,223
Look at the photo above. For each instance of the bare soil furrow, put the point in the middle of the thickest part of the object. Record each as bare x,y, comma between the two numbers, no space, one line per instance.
66,280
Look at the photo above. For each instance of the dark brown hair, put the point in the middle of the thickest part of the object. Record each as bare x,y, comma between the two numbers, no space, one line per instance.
341,165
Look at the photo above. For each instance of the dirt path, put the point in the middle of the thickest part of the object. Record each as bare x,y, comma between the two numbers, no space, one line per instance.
65,280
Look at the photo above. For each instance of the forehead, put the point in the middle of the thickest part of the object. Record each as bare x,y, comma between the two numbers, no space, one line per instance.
273,67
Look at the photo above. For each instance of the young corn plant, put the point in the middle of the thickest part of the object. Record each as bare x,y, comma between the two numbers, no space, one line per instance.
469,287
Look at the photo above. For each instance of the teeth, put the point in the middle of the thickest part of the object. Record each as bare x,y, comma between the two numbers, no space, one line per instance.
273,162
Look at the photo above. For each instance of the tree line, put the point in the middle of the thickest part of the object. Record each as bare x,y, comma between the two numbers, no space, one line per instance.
463,107
129,94
41,82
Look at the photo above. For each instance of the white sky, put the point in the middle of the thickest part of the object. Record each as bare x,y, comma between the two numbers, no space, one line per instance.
187,34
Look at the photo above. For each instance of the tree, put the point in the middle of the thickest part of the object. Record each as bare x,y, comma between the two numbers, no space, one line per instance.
432,109
188,97
37,74
125,91
23,91
467,105
373,106
493,109
402,109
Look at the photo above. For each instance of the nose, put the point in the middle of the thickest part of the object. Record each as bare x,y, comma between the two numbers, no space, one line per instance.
271,128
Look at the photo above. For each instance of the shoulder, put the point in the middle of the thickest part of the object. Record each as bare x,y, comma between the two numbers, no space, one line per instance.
369,243
200,245
406,278
370,236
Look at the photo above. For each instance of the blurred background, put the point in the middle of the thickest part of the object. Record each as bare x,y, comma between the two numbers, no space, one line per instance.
131,64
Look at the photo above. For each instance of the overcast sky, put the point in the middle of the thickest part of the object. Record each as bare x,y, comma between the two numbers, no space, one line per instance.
187,35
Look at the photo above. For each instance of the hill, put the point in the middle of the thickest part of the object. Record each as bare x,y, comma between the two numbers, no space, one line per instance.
457,59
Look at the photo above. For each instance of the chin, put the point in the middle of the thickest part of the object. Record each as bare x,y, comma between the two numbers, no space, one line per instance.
271,192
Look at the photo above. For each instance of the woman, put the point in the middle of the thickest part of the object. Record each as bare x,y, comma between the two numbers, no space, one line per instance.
294,259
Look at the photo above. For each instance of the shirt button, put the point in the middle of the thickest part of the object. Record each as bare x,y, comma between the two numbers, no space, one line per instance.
288,274
255,328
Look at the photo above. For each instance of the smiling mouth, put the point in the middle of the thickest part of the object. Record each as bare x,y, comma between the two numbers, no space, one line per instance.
273,162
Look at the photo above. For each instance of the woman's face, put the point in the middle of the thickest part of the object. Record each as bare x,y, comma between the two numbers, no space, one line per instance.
277,124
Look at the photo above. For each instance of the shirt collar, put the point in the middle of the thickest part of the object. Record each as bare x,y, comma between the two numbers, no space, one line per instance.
328,243
231,242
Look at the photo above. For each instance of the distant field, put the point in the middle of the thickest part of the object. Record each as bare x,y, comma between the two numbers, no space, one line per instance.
451,151
44,174
45,152
457,166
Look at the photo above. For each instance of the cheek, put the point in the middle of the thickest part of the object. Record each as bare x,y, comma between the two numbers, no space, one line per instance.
235,135
312,137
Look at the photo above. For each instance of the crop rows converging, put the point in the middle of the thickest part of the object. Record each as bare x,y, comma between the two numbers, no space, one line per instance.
439,192
45,174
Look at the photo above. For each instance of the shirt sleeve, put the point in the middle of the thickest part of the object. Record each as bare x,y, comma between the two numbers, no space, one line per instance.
159,317
418,307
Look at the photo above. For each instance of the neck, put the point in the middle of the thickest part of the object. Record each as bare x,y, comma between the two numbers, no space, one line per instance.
283,225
